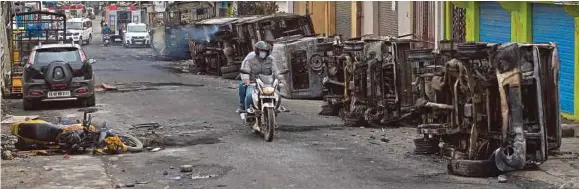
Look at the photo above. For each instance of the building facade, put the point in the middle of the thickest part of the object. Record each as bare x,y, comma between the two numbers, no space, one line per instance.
532,22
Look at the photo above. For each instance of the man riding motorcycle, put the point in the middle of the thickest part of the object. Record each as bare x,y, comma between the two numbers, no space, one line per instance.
257,62
106,31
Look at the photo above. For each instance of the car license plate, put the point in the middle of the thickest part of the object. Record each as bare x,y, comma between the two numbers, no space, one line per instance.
138,43
54,94
117,39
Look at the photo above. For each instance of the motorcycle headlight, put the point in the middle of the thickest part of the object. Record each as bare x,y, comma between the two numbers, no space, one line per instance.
267,90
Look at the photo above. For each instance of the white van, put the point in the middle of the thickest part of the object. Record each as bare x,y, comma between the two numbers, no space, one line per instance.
79,30
137,34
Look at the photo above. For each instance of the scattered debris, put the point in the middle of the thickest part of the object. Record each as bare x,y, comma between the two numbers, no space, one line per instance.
46,168
130,185
16,119
203,177
178,177
7,155
155,149
141,182
186,168
502,178
66,156
171,167
165,173
385,140
148,125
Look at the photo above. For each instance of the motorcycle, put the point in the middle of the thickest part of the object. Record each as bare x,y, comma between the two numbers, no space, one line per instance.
266,100
107,40
73,137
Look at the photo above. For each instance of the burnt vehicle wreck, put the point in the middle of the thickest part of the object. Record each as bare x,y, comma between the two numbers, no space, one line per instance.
474,111
364,83
229,40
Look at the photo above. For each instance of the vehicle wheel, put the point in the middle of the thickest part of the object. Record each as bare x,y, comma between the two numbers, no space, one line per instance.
425,146
229,69
30,104
81,41
473,168
231,75
133,144
89,39
89,102
270,125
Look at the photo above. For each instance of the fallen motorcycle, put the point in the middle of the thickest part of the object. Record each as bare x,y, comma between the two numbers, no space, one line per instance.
74,137
266,100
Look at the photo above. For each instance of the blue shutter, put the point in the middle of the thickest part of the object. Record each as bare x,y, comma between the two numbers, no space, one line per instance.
495,23
552,24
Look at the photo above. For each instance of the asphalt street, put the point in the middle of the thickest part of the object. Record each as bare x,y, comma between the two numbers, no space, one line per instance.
197,118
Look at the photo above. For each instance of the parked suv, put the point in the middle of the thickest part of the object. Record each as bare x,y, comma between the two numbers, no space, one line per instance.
57,72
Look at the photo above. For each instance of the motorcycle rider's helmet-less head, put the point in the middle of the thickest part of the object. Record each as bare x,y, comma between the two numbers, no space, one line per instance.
262,49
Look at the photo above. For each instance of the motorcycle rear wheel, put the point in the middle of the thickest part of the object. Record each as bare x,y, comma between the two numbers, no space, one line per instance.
269,124
133,144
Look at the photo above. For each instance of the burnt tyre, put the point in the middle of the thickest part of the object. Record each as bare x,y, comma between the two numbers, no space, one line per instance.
425,146
229,69
133,144
473,168
231,75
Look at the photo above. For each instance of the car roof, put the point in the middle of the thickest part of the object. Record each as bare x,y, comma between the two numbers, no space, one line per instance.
50,46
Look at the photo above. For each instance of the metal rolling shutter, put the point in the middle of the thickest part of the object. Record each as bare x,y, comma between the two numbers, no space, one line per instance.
343,19
495,23
552,24
387,18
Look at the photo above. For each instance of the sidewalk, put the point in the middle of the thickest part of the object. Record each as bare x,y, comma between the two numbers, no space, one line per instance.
561,170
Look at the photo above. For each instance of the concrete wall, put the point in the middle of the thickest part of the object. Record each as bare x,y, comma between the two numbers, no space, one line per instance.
404,18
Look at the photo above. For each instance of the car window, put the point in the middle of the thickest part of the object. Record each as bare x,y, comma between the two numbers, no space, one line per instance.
44,57
74,25
137,29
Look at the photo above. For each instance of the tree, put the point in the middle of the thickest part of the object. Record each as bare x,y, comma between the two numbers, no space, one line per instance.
248,8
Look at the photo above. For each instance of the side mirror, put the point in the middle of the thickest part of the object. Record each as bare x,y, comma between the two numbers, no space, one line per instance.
284,71
91,61
244,71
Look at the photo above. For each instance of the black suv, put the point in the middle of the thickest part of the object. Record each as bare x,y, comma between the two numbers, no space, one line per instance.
57,72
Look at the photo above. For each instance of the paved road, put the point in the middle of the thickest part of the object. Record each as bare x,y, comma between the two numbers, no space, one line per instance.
310,151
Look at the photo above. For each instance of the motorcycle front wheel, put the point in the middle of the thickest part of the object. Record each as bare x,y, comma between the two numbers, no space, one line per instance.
269,122
133,144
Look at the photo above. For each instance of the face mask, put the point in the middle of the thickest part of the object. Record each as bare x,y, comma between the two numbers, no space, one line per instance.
262,54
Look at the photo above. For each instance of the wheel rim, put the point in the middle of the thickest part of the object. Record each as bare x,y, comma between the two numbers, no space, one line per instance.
128,141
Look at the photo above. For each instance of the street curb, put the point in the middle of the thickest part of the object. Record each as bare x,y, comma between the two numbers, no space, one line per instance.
569,130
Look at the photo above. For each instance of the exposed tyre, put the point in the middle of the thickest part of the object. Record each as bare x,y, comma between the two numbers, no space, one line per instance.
269,129
89,101
229,69
89,39
425,146
231,75
30,104
133,144
473,168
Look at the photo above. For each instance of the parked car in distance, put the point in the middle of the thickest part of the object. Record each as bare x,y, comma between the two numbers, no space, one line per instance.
57,72
79,30
137,34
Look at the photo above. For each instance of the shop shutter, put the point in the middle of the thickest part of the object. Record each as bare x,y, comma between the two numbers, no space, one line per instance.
495,23
552,24
344,19
387,19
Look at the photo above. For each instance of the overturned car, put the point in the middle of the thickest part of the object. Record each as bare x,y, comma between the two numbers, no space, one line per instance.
474,111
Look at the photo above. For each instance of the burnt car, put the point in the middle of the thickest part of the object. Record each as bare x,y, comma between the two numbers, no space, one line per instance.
57,72
365,84
472,108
